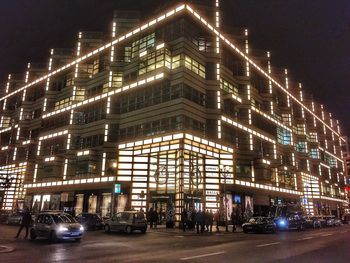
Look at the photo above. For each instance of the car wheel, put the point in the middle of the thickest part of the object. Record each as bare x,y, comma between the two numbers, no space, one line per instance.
245,230
128,229
107,228
32,234
143,230
77,239
53,237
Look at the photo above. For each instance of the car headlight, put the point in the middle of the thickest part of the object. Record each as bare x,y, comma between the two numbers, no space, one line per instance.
82,228
282,222
62,228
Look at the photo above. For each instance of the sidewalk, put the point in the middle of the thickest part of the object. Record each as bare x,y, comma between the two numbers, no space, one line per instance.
178,231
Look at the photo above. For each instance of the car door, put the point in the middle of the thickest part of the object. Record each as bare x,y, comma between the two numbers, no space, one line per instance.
115,221
47,225
39,225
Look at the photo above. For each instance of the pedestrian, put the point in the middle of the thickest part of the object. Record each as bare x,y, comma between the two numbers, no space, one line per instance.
207,220
217,219
26,221
198,220
202,222
233,220
184,220
150,217
155,218
211,216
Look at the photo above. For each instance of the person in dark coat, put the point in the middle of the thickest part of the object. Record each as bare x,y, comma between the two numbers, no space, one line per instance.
233,220
184,220
198,220
26,221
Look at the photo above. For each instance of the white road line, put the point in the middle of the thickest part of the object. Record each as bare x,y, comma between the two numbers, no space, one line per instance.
305,238
179,236
269,244
203,255
326,235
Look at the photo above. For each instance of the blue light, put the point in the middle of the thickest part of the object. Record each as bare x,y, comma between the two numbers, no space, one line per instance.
282,222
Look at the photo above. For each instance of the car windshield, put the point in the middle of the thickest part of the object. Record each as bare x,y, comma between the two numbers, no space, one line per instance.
63,219
139,216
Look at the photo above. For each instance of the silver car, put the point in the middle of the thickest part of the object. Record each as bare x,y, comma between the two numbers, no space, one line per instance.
57,226
14,219
127,221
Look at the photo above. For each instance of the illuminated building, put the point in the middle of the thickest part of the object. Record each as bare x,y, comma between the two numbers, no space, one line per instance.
172,108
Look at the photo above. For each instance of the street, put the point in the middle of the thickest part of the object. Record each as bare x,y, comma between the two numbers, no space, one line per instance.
321,245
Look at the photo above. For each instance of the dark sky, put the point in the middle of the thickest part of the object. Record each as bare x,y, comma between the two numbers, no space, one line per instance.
309,37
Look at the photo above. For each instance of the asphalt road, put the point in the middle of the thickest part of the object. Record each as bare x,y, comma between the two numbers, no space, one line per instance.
323,245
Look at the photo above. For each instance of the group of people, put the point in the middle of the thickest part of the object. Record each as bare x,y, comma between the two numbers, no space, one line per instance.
203,221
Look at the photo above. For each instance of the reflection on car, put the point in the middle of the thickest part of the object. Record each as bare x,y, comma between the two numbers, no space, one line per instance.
259,225
127,221
56,226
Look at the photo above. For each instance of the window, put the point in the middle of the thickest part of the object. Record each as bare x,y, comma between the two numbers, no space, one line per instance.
228,87
62,103
314,154
117,79
300,147
176,61
142,44
155,60
195,66
312,137
299,129
283,136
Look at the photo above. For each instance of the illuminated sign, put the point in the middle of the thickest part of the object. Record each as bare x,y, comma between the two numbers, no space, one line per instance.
117,188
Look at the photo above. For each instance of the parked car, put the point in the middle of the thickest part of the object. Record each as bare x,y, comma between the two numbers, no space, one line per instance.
56,226
346,219
15,218
90,221
330,220
127,221
259,225
293,221
337,222
288,217
312,222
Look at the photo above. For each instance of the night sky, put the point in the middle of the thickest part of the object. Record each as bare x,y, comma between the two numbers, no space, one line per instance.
309,37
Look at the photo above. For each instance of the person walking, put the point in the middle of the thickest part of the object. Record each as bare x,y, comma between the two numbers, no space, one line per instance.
184,220
233,220
217,219
26,221
211,216
198,219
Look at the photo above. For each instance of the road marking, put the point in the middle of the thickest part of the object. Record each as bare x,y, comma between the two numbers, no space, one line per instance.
203,255
305,238
343,232
269,244
179,236
326,235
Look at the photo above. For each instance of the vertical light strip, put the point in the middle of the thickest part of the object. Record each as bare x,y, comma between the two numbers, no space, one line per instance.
103,168
287,86
35,173
65,168
219,129
218,77
253,170
269,70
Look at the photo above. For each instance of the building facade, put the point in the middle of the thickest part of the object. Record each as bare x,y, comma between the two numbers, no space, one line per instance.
168,112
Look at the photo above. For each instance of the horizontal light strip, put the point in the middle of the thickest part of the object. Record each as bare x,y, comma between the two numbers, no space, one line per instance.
242,127
340,160
103,96
211,28
270,118
71,182
56,134
106,46
267,187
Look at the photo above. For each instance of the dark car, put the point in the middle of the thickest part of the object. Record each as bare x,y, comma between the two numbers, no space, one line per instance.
127,221
312,222
90,221
259,225
293,221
